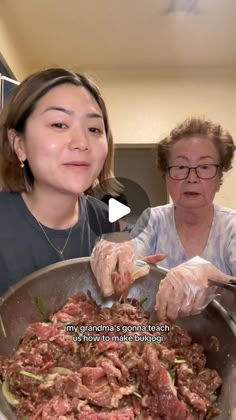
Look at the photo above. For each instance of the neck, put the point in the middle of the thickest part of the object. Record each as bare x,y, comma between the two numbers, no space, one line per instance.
57,210
194,217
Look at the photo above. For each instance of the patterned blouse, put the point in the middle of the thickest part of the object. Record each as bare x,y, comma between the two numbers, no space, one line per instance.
155,232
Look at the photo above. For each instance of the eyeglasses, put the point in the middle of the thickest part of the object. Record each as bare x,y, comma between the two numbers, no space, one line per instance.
207,171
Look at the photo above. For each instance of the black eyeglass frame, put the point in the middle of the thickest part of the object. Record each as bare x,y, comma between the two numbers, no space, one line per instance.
192,167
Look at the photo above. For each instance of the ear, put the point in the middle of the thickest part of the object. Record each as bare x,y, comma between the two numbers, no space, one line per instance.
16,141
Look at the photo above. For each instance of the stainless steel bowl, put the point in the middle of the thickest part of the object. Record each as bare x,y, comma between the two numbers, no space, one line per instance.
56,283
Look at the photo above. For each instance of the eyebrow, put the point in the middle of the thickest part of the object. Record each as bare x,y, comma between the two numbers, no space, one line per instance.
69,112
201,157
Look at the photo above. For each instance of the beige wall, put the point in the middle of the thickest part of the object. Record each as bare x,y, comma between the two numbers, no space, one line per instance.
10,53
144,106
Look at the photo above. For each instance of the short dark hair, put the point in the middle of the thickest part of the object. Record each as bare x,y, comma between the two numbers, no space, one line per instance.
198,127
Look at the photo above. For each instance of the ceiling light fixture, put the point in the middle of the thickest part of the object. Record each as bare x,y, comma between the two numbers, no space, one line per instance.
187,6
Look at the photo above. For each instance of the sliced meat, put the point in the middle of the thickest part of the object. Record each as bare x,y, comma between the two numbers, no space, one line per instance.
193,354
177,337
210,378
123,414
197,388
108,380
55,408
167,403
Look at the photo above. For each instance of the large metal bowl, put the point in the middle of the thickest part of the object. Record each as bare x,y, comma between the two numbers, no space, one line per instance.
56,283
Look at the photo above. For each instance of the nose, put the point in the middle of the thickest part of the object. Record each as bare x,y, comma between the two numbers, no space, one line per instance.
192,176
79,139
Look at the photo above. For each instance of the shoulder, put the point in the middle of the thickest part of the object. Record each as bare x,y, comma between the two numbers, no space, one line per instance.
162,212
153,217
7,199
96,205
225,213
10,209
225,222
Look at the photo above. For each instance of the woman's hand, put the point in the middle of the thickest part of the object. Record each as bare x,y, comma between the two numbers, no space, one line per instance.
113,265
186,291
110,258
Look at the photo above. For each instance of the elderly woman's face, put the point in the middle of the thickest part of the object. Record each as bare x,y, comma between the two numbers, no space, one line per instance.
193,191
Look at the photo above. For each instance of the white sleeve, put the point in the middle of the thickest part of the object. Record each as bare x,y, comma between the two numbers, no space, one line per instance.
145,234
232,256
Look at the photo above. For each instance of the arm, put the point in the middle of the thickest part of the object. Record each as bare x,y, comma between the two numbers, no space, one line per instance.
145,234
231,255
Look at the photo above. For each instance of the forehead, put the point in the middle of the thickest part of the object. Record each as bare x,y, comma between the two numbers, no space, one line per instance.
194,148
68,96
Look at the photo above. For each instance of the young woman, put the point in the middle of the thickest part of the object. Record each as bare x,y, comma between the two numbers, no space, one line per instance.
55,141
193,159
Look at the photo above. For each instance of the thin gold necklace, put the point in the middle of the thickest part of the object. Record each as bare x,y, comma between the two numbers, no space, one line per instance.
59,251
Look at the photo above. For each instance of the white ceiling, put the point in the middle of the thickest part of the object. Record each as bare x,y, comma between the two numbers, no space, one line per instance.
121,34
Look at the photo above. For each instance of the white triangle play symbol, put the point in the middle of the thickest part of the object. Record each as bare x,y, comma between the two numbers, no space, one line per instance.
116,210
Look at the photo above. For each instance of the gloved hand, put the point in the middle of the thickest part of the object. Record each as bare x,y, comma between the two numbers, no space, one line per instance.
113,265
186,291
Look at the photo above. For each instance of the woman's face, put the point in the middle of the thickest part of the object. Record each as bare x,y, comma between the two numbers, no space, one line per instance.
65,141
193,192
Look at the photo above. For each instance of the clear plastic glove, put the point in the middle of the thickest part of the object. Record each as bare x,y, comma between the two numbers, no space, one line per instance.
186,291
113,265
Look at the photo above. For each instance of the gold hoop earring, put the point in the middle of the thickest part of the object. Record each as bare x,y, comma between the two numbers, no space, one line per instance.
22,165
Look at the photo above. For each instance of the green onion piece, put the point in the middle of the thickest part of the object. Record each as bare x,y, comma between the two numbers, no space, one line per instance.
40,306
32,376
2,326
121,298
136,394
173,376
203,371
180,361
142,301
10,397
62,370
72,321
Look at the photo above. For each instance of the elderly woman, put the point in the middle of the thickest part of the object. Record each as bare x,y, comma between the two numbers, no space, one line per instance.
193,159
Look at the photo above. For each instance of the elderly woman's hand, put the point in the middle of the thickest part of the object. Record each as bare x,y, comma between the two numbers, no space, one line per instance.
186,291
113,264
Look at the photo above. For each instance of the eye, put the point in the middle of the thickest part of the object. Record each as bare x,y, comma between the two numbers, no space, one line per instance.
182,167
204,167
95,130
59,125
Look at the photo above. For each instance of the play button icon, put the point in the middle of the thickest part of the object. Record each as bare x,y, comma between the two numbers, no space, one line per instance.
116,202
116,210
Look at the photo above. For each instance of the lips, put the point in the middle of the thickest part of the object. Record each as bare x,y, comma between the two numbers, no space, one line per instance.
193,193
77,164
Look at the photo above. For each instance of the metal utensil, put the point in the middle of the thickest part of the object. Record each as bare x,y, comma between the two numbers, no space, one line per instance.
230,285
159,268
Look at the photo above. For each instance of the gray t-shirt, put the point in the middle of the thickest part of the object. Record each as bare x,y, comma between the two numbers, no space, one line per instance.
24,247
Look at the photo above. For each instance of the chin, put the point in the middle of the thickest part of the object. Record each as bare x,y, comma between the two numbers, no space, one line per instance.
193,206
73,189
77,186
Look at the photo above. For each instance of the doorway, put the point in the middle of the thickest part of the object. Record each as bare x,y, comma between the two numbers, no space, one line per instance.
137,163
